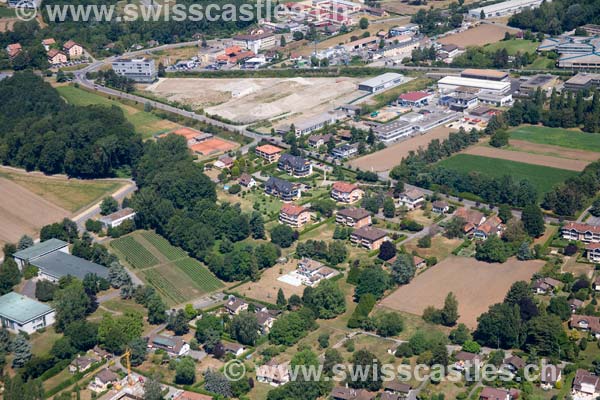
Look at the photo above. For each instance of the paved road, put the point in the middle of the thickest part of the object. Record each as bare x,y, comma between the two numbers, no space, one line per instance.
95,209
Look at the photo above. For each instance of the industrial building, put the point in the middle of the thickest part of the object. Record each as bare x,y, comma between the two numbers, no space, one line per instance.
317,122
576,52
544,82
137,69
381,82
19,313
393,131
413,123
485,74
505,8
256,41
583,81
451,83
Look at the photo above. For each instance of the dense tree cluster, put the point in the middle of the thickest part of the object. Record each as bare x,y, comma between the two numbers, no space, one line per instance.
575,192
434,22
41,131
334,252
557,17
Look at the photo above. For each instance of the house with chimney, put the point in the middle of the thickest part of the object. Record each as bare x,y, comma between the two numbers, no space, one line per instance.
411,199
472,218
174,346
586,323
311,272
344,192
545,285
294,216
492,226
234,306
247,180
586,385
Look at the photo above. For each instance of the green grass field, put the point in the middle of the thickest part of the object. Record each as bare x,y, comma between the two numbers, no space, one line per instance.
557,137
543,178
513,46
176,276
6,12
145,123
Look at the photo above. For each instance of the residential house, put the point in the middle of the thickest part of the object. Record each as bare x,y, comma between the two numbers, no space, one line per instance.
273,374
103,380
234,348
56,57
265,320
343,393
492,226
73,50
345,150
101,353
419,262
581,232
549,376
354,217
286,191
14,49
345,192
247,180
224,162
319,140
48,43
19,313
586,385
234,306
585,323
472,218
448,51
369,237
81,364
175,346
440,207
489,393
514,363
597,283
311,272
544,285
575,304
117,218
294,165
268,152
401,390
256,40
294,216
411,199
592,252
466,360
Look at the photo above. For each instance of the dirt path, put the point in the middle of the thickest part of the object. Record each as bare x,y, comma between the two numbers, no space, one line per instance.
391,156
529,158
556,151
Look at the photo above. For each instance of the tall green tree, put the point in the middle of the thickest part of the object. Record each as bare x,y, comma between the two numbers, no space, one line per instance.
533,220
244,328
449,312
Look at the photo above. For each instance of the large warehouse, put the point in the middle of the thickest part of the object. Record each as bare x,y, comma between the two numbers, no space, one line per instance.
505,8
381,82
451,83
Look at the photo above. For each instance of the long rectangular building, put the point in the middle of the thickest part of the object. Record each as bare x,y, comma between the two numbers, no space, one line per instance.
505,8
451,83
381,82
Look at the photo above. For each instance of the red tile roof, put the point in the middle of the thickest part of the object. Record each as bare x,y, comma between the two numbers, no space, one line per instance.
269,149
580,227
292,209
344,187
413,96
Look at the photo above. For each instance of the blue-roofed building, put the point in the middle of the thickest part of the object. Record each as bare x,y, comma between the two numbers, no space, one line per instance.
20,313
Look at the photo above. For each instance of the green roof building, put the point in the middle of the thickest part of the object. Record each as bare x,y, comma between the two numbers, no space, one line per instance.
20,313
40,250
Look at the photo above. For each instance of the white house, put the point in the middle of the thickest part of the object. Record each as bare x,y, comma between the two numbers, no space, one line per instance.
411,199
273,374
20,313
117,218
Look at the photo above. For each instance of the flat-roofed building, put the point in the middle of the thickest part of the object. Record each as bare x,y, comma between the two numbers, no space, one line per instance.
381,82
256,41
138,69
579,61
544,82
583,81
56,265
451,83
38,250
394,130
591,29
20,313
314,123
505,8
485,74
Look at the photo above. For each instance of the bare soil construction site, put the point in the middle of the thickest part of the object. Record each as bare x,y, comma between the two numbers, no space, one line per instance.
478,36
251,100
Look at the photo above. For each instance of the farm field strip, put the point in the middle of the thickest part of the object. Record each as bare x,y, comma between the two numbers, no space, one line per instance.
543,178
536,159
572,139
172,253
164,286
199,274
134,253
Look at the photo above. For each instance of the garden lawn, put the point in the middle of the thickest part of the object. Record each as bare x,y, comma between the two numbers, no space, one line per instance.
543,178
513,46
572,139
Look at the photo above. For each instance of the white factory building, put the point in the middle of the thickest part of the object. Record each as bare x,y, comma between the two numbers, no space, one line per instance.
137,69
505,8
449,84
381,82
